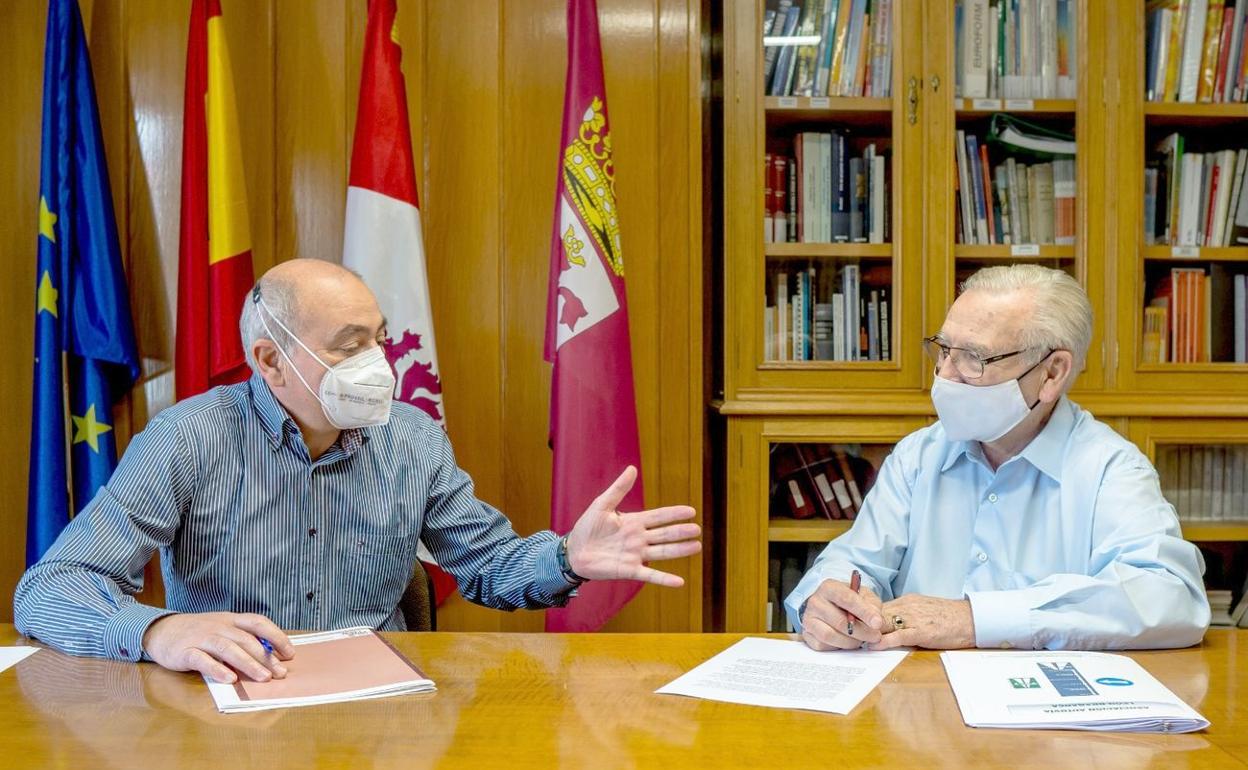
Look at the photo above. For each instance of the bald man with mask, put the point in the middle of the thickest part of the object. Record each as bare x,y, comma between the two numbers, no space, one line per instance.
297,500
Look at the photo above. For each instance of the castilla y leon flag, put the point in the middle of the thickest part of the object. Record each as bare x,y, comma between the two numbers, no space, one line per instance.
593,416
214,252
382,239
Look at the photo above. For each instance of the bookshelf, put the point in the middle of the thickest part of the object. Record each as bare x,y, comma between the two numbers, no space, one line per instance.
767,402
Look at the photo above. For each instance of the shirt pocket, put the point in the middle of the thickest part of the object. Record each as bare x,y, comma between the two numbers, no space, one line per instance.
379,568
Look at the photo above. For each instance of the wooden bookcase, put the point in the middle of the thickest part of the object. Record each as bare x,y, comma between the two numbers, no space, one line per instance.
769,402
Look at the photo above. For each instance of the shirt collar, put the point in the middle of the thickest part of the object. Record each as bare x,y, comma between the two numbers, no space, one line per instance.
278,424
1045,451
273,417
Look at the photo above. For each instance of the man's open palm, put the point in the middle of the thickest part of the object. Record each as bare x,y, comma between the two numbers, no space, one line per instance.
606,544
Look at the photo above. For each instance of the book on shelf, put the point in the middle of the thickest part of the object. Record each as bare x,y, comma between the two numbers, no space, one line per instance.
1197,315
827,311
1015,49
828,481
1012,202
851,54
1195,51
1205,483
824,193
1195,198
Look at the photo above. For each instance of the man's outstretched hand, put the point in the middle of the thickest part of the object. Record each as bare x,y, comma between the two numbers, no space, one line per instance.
606,544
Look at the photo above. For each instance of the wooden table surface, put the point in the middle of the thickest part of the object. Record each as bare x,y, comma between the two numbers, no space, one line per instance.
580,700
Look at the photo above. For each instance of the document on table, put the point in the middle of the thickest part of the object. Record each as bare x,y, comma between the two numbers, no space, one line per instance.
786,674
1064,691
11,656
328,667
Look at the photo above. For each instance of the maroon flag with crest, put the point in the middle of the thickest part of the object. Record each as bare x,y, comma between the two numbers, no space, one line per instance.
593,415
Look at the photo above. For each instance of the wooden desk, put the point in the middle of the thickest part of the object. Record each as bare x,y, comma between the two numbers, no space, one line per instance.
534,700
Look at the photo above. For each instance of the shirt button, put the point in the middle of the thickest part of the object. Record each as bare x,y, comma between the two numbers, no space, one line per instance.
310,595
124,652
312,532
992,498
983,557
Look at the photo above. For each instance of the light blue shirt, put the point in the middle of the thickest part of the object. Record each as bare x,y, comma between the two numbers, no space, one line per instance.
1068,545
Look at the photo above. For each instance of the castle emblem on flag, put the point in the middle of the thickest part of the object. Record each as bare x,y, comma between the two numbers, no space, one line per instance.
588,218
589,177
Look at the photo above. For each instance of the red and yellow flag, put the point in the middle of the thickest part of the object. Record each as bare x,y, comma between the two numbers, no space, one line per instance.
214,253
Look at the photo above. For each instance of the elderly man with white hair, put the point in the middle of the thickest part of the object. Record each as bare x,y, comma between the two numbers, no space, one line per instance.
297,499
1017,520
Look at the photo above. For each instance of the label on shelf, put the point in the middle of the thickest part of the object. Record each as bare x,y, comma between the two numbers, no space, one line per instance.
985,104
820,102
788,102
1187,252
1020,104
1025,250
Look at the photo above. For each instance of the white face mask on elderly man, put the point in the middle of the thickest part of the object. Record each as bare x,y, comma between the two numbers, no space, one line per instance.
354,393
981,412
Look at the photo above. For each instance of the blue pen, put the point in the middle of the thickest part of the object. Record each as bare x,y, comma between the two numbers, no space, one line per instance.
266,644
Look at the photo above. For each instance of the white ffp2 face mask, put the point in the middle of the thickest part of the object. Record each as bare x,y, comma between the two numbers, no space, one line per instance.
354,393
981,412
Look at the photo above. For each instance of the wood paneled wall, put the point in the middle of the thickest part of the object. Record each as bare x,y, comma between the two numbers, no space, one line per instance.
485,89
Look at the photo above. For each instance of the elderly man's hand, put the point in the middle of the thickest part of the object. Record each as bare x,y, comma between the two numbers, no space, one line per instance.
825,621
606,544
937,624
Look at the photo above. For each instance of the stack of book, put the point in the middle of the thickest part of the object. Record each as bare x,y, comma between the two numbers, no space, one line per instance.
1196,51
826,313
1219,607
825,194
828,47
1194,316
1205,483
1195,198
1012,202
1015,49
786,563
821,481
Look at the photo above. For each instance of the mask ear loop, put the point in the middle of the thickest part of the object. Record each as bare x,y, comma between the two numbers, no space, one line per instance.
259,301
1019,377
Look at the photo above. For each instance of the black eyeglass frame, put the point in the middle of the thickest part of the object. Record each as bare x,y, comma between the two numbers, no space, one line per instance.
983,362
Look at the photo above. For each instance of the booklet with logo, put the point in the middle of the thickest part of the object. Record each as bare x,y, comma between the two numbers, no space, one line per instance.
1064,691
328,667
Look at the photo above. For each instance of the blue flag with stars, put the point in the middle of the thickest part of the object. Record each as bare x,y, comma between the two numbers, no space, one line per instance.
85,355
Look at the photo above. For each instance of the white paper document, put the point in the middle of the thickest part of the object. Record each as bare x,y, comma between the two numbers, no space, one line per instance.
328,667
784,674
1064,691
11,656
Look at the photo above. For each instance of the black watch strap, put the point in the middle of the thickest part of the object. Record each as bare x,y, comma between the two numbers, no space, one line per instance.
565,565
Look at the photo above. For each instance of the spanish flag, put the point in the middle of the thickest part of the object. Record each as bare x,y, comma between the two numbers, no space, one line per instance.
214,253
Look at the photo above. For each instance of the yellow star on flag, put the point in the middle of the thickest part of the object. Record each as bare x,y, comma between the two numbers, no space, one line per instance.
46,220
88,429
47,294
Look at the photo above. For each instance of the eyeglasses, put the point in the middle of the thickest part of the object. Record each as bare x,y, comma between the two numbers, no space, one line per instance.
968,363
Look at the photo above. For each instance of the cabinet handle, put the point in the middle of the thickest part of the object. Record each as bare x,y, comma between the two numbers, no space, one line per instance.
935,83
912,99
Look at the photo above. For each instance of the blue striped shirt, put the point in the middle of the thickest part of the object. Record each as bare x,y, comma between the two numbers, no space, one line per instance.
245,521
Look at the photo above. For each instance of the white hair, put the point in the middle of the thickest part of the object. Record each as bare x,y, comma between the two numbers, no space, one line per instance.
280,302
1061,315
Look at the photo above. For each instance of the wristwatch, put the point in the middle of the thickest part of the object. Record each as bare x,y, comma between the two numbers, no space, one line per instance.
565,564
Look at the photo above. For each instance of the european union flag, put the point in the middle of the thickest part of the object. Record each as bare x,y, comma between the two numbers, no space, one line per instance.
84,340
